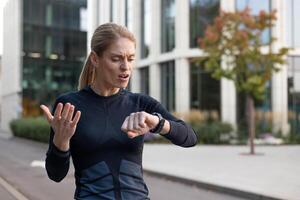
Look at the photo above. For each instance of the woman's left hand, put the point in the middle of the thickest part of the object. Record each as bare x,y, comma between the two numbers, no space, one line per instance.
139,123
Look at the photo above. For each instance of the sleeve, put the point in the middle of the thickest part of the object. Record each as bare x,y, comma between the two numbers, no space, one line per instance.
181,133
57,161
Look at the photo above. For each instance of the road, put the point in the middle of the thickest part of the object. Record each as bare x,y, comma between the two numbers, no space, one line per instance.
21,167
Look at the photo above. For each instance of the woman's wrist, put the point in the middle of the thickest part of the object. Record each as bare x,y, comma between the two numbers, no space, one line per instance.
156,122
166,128
62,146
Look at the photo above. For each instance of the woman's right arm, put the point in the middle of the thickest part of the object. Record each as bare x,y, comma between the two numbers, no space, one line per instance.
63,127
57,161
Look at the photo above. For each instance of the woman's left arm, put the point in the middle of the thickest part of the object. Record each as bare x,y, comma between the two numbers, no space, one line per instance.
176,130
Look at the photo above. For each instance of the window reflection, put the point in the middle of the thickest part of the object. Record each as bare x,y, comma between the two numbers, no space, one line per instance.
54,46
111,13
202,13
204,90
294,94
129,15
144,80
168,85
146,28
168,25
293,23
256,6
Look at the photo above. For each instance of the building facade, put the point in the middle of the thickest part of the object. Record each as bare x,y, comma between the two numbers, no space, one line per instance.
167,32
44,49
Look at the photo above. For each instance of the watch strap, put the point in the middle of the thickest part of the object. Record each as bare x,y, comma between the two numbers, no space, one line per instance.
160,124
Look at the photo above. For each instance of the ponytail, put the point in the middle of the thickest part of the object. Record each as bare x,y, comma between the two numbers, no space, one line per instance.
87,74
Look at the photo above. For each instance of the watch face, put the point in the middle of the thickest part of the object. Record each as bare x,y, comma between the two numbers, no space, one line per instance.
158,115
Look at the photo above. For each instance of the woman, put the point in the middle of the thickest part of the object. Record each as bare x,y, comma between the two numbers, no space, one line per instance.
102,125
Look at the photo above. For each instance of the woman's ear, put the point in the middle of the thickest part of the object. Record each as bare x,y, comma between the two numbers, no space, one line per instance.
94,58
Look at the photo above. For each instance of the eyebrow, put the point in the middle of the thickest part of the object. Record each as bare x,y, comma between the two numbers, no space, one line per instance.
119,54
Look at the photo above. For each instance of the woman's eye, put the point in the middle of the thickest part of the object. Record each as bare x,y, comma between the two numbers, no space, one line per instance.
131,59
115,59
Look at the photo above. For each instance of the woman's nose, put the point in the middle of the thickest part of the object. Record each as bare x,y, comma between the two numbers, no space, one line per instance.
125,65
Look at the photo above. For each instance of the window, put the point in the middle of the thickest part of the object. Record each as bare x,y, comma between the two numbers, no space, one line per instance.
202,13
293,23
256,6
146,28
111,13
168,85
144,80
167,25
129,15
54,46
204,90
294,93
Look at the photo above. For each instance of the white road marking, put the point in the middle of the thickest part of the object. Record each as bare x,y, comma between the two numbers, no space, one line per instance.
38,163
13,191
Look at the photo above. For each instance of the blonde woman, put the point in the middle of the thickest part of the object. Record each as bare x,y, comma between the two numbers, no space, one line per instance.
102,125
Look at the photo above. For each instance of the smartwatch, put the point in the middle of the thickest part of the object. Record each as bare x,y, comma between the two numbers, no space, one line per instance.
160,124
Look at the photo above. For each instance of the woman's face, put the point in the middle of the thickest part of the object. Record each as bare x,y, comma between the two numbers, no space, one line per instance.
114,66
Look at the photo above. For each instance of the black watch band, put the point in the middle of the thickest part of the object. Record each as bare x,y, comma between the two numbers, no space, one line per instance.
160,124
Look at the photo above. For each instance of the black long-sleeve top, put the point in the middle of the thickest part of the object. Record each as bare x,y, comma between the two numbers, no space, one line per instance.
108,164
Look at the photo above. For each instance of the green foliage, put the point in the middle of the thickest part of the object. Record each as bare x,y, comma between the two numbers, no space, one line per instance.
31,128
211,133
293,138
236,39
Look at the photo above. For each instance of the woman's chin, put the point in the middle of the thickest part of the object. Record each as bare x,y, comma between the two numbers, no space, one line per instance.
122,85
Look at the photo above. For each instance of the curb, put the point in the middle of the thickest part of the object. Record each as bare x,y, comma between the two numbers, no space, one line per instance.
209,186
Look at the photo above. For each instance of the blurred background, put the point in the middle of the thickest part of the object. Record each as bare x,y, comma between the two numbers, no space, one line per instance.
44,43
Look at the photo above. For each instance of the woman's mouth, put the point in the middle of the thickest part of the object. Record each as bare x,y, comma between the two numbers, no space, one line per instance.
124,77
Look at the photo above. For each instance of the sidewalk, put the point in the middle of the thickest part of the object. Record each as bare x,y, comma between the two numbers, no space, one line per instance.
273,174
5,194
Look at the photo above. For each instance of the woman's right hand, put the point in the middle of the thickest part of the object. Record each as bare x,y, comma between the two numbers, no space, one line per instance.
62,124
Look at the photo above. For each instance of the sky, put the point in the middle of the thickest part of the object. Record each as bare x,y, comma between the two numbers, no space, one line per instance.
2,3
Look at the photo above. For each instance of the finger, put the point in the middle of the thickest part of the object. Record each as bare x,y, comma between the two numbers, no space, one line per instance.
57,113
76,118
125,125
70,114
136,122
131,134
47,113
65,111
142,119
131,121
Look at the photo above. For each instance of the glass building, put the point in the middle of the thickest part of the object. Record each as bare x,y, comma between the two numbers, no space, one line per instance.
54,49
167,33
44,47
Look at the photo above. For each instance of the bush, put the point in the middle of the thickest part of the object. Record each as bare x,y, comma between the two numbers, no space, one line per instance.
208,127
293,138
31,128
215,132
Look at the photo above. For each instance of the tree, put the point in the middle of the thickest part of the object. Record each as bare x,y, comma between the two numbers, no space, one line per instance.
236,39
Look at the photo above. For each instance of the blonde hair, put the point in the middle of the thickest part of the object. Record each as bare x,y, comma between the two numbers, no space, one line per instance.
102,38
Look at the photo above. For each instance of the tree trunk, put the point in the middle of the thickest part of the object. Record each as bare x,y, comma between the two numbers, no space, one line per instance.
251,122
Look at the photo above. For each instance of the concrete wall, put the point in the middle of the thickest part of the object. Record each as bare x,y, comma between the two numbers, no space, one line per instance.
11,63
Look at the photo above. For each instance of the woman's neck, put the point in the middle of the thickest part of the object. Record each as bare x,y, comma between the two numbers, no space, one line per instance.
102,91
